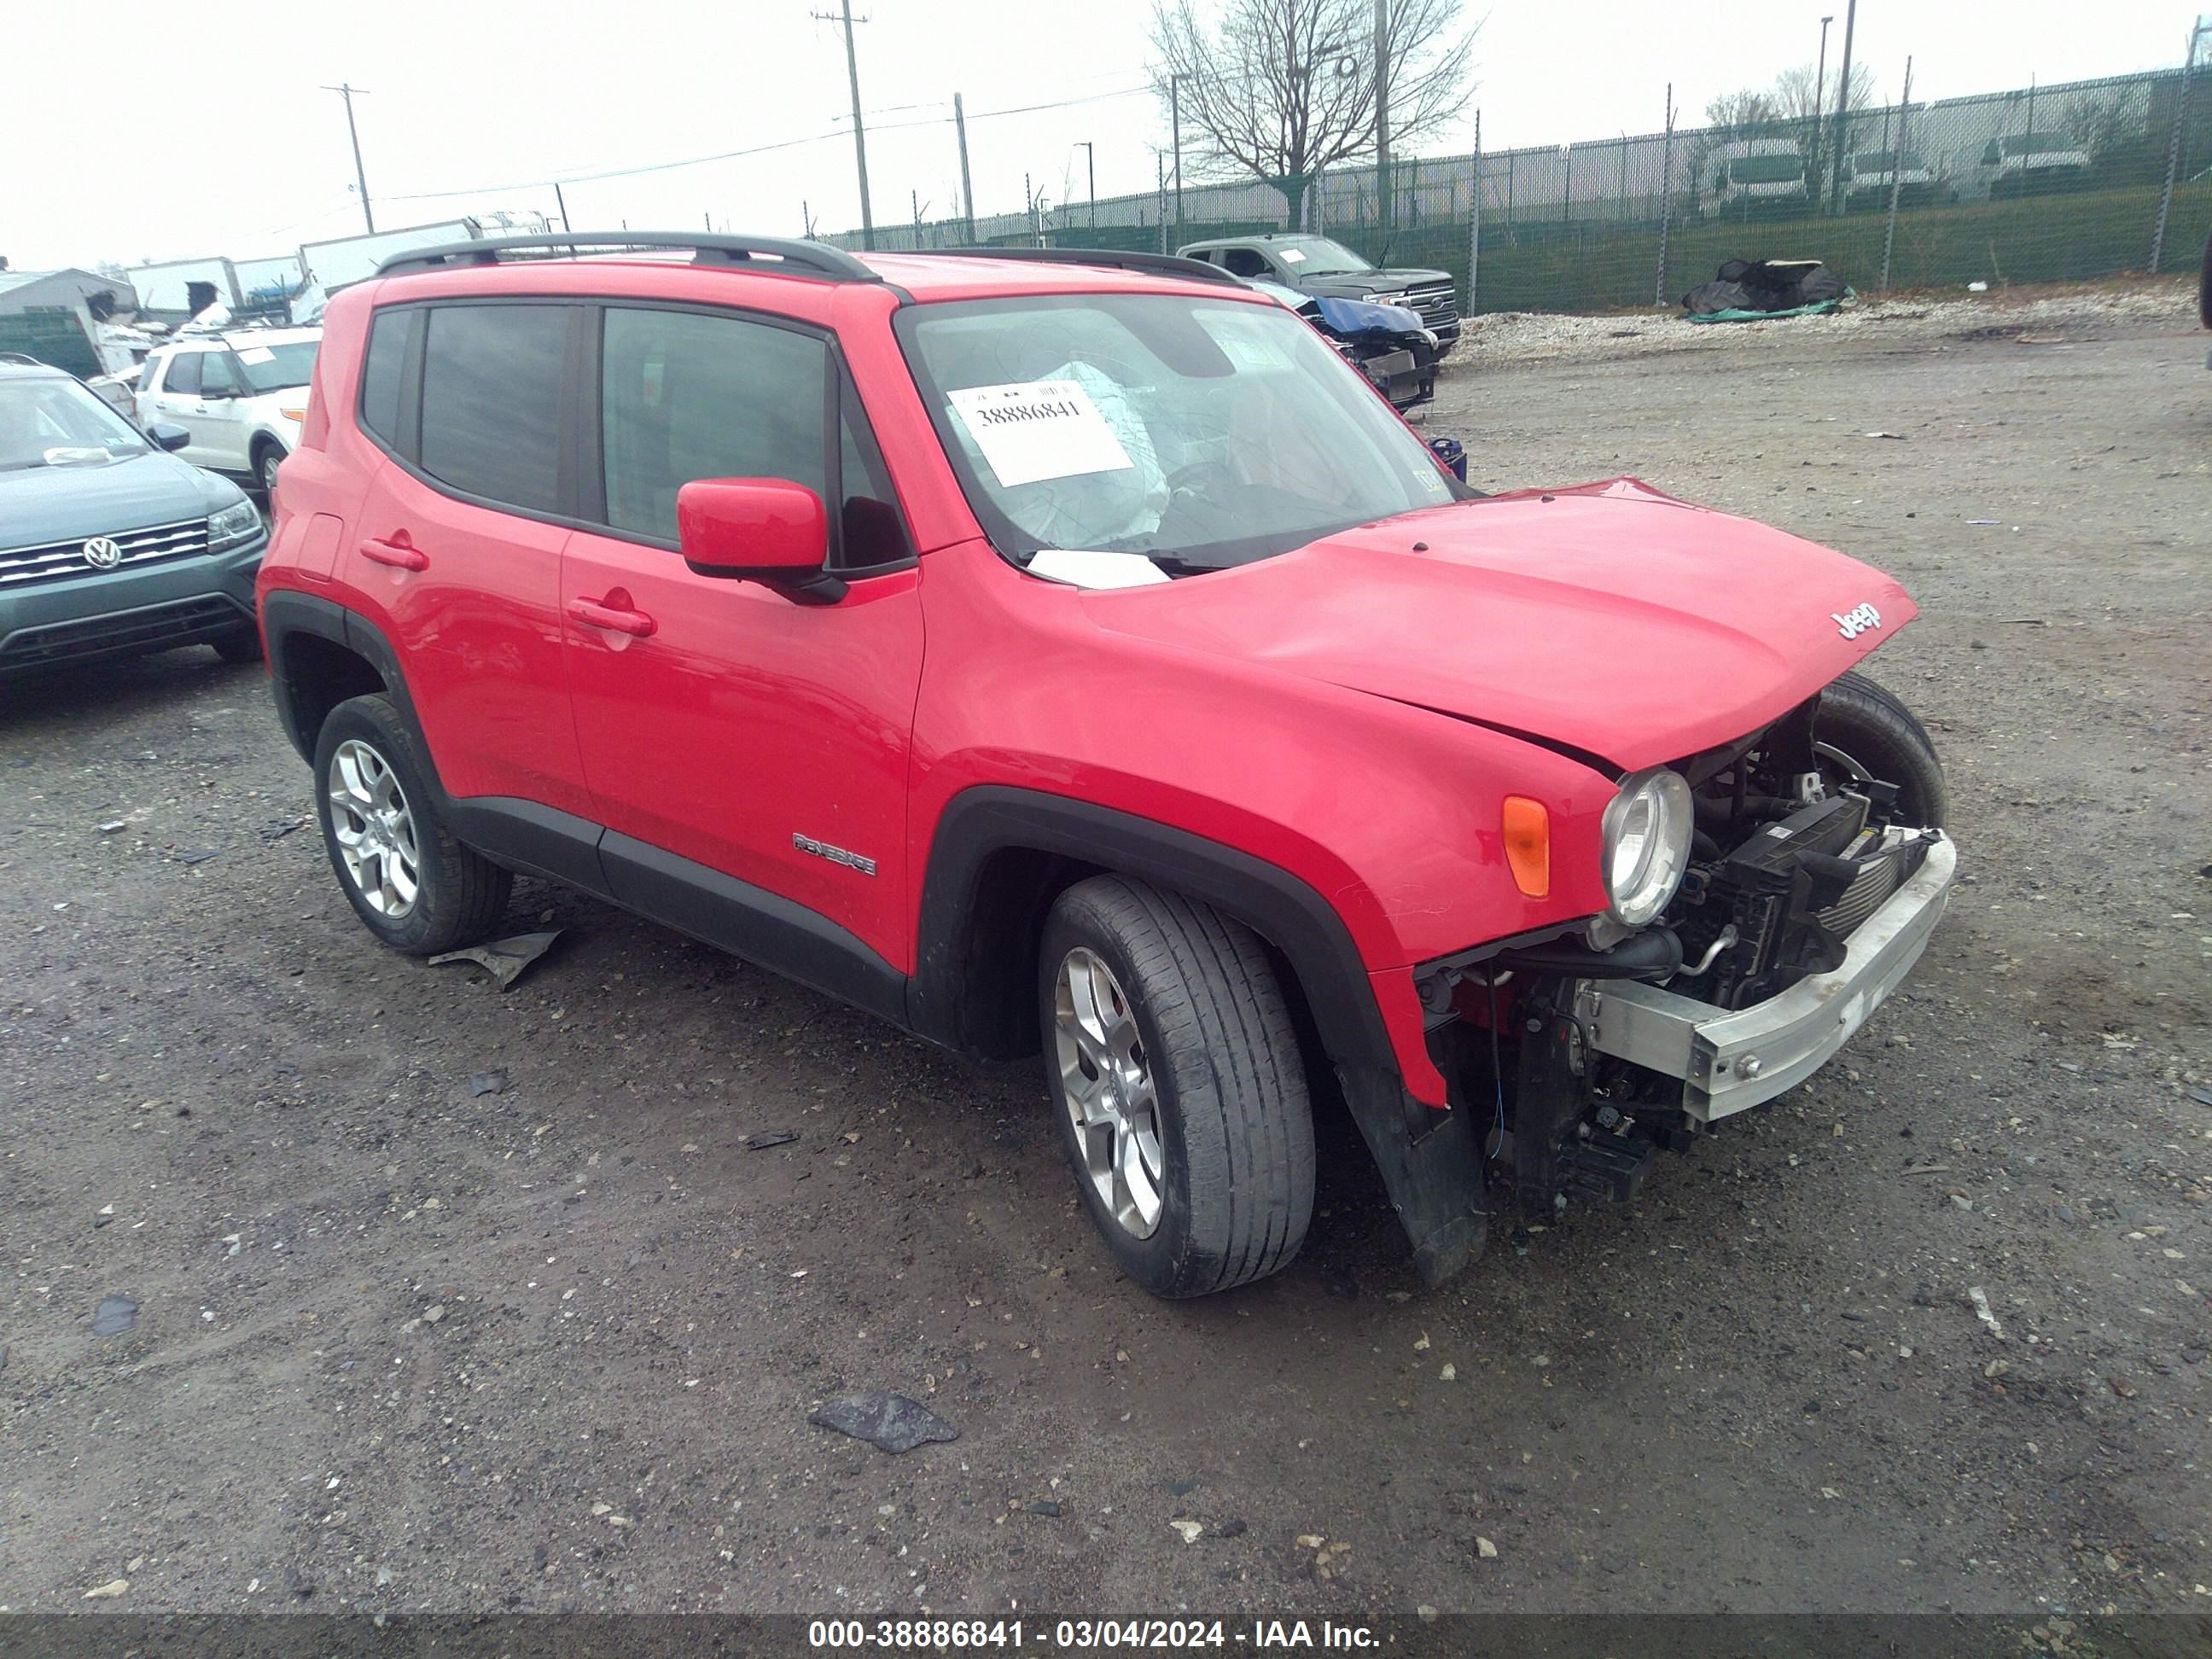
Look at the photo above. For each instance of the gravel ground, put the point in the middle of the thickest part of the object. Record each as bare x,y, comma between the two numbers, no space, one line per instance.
399,1346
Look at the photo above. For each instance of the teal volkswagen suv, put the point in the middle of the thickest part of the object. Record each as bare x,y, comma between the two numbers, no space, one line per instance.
109,544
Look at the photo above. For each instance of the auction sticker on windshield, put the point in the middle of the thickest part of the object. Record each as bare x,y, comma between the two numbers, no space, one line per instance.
1039,429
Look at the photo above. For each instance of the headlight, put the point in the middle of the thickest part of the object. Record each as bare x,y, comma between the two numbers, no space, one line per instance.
1397,299
233,527
1647,844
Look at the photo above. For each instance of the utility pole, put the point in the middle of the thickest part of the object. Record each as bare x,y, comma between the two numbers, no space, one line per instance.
562,202
1091,161
859,134
1819,94
1175,123
360,175
1382,114
967,190
1843,96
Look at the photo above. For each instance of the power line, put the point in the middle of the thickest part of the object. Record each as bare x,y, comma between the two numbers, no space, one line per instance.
756,149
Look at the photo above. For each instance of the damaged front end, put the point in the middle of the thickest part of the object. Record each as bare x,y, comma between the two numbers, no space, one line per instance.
1805,894
1386,343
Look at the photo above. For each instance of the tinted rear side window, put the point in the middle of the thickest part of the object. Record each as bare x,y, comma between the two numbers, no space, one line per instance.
491,402
379,375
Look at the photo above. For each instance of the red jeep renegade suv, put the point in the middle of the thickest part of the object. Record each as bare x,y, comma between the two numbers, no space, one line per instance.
1071,653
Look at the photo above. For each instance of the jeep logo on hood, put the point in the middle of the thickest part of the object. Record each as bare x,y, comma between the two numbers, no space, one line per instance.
1860,619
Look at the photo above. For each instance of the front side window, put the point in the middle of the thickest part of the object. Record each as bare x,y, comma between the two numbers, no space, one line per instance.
686,395
184,375
1201,432
491,402
216,378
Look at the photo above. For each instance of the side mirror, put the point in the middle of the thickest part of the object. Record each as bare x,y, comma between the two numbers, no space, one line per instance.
164,435
768,529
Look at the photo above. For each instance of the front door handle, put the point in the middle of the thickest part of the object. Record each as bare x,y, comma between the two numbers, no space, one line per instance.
400,553
618,617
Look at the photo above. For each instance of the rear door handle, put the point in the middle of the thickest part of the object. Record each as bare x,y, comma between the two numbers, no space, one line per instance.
593,614
399,555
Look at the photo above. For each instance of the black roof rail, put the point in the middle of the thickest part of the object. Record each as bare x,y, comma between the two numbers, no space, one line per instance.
809,259
1162,265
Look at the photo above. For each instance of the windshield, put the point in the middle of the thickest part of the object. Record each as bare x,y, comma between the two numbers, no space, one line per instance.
2039,144
1767,169
1205,433
1317,256
1883,161
56,422
274,367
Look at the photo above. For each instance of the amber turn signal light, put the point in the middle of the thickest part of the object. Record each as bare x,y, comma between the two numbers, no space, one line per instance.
1528,845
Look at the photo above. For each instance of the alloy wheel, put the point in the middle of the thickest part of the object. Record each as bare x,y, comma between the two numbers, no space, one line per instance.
1106,1084
374,829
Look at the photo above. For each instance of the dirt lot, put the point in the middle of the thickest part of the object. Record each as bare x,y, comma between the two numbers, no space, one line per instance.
398,1346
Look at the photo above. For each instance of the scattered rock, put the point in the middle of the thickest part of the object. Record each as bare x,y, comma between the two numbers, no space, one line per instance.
1960,1202
2122,1387
116,1315
493,1082
1486,1549
1234,1526
1044,1507
433,1313
1310,1540
108,1591
275,832
197,855
1450,1374
115,828
1978,1299
1182,1488
890,1421
1189,1529
760,1143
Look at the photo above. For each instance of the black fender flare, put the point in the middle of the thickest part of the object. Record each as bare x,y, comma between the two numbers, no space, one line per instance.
286,613
1429,1161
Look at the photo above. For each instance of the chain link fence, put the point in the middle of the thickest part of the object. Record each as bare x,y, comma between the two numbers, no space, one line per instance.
2066,183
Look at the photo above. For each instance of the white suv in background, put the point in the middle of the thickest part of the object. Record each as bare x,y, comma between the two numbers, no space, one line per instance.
241,395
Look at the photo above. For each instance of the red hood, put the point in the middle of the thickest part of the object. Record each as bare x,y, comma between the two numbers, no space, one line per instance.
1607,617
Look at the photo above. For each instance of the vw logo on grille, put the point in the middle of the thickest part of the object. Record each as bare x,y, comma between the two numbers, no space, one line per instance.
103,553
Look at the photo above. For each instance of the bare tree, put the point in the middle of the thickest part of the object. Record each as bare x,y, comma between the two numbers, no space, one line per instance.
1798,95
1282,89
1741,114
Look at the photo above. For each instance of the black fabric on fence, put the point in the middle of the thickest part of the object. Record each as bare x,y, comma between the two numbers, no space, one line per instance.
1764,285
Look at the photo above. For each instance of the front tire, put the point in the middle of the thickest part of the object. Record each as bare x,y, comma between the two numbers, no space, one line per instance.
411,884
1862,731
243,647
1181,1097
265,463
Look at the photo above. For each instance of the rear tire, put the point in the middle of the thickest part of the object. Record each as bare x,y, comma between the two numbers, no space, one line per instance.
1191,1069
266,460
411,884
1862,730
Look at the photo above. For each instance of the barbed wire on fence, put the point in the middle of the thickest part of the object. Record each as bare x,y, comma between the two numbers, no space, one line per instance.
2077,181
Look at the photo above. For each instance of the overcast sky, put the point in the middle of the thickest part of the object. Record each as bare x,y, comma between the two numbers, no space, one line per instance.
159,134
